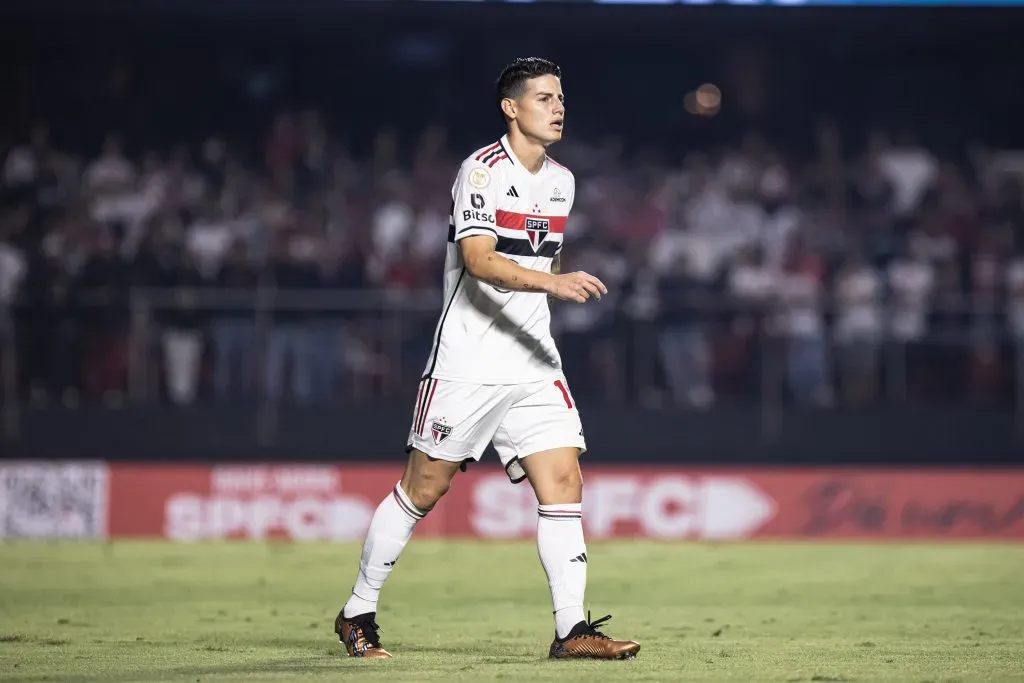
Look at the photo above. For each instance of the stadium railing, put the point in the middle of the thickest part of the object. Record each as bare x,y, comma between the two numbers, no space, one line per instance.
387,335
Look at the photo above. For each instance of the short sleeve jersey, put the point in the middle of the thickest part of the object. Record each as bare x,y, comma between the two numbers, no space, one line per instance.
488,335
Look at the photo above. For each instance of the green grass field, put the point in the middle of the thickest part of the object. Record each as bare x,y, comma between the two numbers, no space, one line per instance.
480,611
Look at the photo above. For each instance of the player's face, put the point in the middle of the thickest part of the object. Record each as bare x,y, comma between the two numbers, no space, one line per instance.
540,112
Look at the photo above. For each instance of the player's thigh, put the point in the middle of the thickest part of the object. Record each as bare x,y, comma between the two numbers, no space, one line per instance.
455,421
543,422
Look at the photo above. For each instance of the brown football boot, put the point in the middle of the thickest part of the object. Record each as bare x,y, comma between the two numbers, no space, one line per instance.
359,635
586,642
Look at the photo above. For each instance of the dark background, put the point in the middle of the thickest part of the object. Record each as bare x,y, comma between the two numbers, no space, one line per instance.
401,93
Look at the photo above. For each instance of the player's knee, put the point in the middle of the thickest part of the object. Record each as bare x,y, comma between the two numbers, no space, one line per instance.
425,494
567,483
426,479
424,490
569,479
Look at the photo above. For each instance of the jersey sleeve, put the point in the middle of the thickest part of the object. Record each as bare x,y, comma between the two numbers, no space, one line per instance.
475,201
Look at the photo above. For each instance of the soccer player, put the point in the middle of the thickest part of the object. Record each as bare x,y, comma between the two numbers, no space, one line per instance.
494,374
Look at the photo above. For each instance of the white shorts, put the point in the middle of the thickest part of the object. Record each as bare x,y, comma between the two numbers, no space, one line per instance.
456,420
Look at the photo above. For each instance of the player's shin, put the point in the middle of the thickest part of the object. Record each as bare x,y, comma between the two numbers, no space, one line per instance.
390,530
563,554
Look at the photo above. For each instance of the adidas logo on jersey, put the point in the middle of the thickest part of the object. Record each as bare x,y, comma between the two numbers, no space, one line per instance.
512,192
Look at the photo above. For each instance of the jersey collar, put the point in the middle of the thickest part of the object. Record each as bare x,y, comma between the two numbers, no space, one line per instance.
507,146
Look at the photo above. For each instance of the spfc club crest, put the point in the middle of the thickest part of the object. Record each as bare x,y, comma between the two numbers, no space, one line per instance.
536,231
440,431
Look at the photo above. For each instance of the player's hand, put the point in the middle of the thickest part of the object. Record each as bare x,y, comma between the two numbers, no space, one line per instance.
578,287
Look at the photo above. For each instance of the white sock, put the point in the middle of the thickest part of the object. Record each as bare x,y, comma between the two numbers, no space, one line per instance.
389,532
563,553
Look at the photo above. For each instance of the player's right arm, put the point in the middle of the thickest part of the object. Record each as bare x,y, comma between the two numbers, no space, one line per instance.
485,264
475,200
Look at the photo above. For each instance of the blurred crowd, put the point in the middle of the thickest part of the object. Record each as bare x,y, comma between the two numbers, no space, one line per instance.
883,270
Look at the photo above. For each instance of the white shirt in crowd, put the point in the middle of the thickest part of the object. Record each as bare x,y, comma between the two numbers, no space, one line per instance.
859,307
799,299
109,173
911,283
392,224
209,242
429,225
911,171
701,252
777,231
718,224
752,282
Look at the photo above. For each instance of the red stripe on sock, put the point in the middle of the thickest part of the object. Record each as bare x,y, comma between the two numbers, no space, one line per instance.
415,514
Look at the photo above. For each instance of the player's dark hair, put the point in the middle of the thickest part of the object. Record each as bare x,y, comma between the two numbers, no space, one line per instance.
513,78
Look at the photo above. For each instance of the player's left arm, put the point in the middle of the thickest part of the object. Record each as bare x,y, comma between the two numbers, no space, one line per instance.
556,269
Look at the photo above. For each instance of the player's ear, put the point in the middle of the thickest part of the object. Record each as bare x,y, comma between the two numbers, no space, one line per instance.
508,107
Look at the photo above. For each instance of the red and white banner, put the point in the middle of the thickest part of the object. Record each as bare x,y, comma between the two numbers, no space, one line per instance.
336,503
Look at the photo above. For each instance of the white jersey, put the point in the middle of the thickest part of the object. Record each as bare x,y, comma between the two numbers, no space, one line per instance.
488,335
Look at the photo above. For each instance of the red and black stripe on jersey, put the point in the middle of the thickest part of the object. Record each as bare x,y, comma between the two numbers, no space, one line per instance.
492,155
511,246
513,220
511,225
